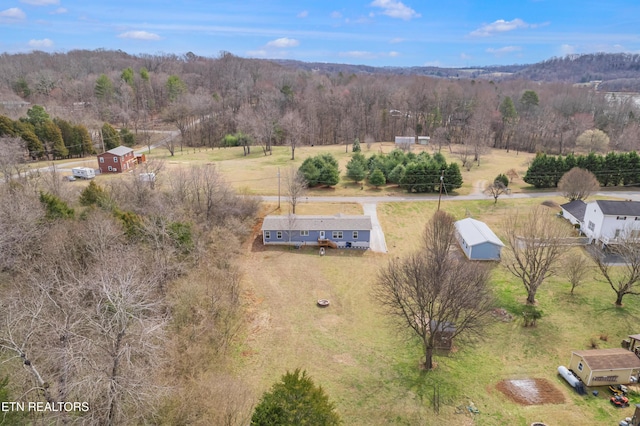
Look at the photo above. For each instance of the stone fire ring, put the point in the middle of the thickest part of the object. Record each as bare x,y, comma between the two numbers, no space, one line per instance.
323,303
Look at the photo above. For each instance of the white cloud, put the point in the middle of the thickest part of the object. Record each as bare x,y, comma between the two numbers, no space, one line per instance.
500,26
396,40
40,2
393,54
303,14
465,57
139,35
395,9
283,43
39,44
59,11
336,15
504,50
567,49
13,13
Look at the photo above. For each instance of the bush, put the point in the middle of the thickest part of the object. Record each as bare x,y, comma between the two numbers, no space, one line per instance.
502,178
295,400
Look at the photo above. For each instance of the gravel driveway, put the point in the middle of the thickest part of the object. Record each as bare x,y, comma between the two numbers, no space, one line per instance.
378,243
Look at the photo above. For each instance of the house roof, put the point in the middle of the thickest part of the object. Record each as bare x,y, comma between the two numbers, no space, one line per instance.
120,150
619,208
316,223
609,359
475,232
576,208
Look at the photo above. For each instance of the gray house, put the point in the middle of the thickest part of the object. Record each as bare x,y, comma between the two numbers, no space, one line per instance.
477,240
339,231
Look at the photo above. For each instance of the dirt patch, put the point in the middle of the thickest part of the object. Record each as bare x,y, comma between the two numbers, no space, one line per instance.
531,391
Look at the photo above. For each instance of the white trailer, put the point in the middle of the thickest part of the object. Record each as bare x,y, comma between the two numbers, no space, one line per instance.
83,172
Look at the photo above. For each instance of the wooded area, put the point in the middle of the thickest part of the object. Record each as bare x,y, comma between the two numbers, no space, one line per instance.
208,99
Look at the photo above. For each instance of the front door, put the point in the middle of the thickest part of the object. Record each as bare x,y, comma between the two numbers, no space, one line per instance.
321,235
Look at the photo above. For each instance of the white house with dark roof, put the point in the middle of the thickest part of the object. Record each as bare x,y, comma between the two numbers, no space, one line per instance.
477,240
573,211
339,231
606,221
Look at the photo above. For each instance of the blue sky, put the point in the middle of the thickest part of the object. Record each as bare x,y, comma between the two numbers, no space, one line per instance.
449,33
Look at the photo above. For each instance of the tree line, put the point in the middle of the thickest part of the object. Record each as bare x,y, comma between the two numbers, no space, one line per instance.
613,169
208,99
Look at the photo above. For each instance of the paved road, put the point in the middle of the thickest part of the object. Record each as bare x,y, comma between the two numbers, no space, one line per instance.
627,195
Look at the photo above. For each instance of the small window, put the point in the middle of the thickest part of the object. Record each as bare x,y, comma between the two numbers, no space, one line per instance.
110,168
102,159
592,226
115,159
621,218
115,169
580,366
355,235
617,233
336,235
267,235
304,233
279,235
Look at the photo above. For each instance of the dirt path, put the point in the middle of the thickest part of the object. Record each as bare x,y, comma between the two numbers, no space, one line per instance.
479,186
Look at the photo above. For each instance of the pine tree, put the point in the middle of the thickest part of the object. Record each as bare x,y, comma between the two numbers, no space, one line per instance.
295,400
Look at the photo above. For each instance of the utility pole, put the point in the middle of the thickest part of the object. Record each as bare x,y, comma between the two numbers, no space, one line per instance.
278,188
441,183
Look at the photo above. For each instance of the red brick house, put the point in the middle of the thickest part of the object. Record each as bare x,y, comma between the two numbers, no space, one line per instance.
117,160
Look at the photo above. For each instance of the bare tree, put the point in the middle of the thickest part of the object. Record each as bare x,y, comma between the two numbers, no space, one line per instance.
576,268
534,242
12,157
619,264
294,126
432,291
296,186
496,189
578,184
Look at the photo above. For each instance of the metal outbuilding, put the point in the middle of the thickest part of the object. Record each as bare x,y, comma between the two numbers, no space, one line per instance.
477,240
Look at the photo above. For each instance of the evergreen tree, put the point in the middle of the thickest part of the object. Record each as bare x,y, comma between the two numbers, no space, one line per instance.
110,137
356,146
127,138
295,400
396,175
356,169
103,89
55,207
377,178
321,170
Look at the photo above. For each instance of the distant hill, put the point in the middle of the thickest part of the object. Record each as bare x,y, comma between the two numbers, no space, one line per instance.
611,71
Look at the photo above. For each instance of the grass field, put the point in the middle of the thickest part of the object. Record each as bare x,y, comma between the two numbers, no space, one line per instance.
369,368
258,174
372,371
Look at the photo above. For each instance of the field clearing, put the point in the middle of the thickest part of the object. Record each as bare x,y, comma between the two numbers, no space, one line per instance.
257,174
370,370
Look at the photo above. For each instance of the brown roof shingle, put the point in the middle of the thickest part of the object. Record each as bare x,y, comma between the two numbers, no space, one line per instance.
609,359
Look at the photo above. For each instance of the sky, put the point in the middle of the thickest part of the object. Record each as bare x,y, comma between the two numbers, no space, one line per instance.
445,33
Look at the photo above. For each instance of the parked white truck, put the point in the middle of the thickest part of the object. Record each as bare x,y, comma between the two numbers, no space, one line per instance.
83,172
